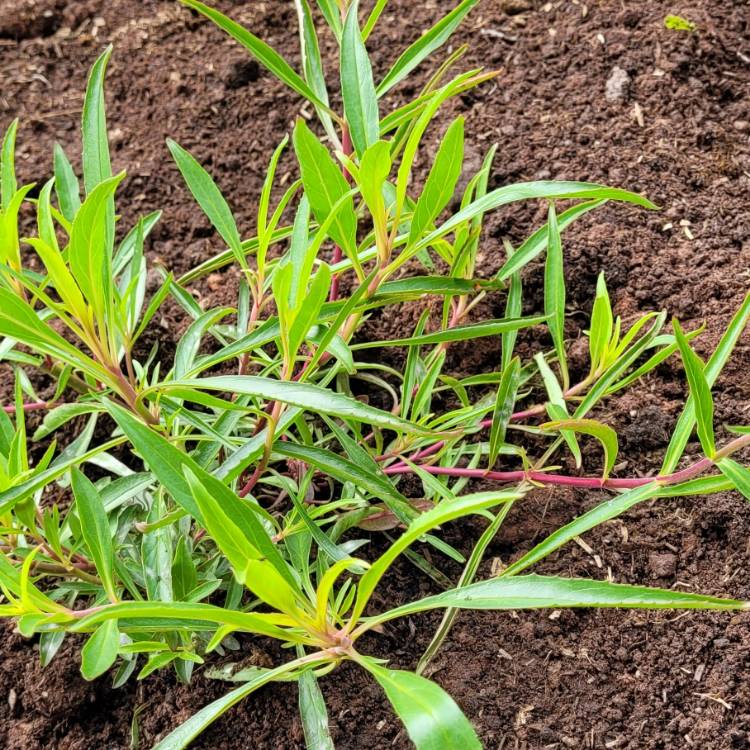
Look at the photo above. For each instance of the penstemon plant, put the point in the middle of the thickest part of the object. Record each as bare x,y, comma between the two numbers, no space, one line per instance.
258,467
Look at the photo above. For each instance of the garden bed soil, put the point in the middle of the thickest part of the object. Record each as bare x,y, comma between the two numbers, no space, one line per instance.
597,91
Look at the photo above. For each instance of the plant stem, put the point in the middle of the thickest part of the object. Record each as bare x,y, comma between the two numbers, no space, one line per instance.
545,478
33,406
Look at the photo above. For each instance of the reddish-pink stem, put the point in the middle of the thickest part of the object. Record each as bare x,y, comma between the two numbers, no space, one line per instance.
543,477
33,406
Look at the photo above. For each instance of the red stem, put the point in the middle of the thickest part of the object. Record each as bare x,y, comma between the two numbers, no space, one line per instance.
33,406
546,478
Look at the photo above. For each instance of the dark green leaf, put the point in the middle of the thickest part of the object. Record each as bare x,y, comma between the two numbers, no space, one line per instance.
100,650
699,390
427,43
262,52
357,86
432,718
95,529
96,164
504,402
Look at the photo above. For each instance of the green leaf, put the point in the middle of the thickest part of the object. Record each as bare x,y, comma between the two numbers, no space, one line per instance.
427,43
513,309
8,183
713,369
100,650
96,163
67,189
432,718
19,321
312,65
170,465
602,432
312,710
537,242
375,166
95,530
699,390
234,525
209,197
190,341
554,293
153,616
372,19
312,397
262,52
332,15
181,737
598,515
504,402
90,249
377,484
446,511
357,85
459,333
549,190
601,324
739,475
441,181
325,186
551,592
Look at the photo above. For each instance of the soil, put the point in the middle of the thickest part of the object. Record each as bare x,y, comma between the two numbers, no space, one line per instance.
597,91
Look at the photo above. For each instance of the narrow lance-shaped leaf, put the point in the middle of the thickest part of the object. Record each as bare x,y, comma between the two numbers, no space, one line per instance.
332,15
602,432
460,333
699,390
601,324
551,592
324,186
235,528
425,46
432,718
181,737
554,293
549,190
8,166
304,395
262,52
357,86
90,249
513,309
312,709
712,371
100,651
312,64
441,181
504,402
209,197
67,189
96,163
738,474
95,529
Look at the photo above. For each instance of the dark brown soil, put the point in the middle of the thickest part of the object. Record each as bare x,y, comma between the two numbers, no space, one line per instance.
679,133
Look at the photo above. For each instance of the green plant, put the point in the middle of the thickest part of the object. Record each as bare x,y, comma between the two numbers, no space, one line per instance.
259,468
678,23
